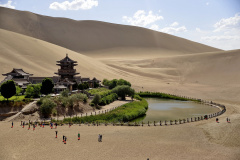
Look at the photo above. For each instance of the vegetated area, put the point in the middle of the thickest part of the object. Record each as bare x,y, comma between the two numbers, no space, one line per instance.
124,113
13,98
64,104
116,88
166,96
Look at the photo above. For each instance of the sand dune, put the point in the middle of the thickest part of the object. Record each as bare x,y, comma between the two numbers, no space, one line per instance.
150,60
39,57
89,36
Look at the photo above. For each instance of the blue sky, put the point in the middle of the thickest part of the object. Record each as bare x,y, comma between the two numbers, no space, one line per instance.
211,22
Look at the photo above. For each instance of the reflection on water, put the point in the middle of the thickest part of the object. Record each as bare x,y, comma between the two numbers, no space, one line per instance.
165,109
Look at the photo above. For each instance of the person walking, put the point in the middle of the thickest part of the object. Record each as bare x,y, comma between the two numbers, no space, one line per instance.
78,136
33,127
63,138
56,126
217,120
65,141
227,119
12,124
23,123
56,133
99,138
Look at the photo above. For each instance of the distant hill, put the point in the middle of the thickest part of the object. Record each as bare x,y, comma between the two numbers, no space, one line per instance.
39,57
87,36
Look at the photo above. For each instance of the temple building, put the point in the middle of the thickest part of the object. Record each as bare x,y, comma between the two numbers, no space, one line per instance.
20,77
66,76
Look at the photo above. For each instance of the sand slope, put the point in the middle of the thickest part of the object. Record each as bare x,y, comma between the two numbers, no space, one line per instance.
93,35
39,57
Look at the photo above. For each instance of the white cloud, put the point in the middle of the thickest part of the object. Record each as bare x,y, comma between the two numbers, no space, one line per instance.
8,5
220,38
154,27
228,23
74,5
141,18
198,30
174,24
172,30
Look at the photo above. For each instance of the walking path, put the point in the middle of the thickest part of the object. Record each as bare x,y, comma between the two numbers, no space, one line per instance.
28,106
106,108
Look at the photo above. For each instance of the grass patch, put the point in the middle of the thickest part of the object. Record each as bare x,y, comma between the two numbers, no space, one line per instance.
124,113
166,96
13,98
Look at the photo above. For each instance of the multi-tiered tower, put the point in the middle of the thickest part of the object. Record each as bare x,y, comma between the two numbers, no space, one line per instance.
67,70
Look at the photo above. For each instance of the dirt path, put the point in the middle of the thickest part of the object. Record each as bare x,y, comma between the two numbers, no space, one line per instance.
27,107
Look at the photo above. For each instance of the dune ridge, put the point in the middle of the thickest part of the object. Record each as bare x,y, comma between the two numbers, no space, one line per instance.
183,68
87,36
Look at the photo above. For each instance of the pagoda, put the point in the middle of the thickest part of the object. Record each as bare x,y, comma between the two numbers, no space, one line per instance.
67,70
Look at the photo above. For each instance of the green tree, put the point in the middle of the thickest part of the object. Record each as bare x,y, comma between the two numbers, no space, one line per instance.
47,107
123,82
8,89
123,91
86,85
96,99
33,90
106,82
47,86
113,83
18,90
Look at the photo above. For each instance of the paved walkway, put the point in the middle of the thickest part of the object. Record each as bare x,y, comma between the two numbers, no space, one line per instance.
104,109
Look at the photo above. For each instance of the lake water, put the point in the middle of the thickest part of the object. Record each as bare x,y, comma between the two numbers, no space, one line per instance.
165,109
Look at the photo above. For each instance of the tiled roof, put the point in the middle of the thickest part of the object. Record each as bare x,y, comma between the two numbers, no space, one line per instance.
18,72
67,59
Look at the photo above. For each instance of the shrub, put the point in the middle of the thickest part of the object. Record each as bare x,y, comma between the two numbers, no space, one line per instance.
164,95
33,91
106,82
47,107
96,99
123,90
108,99
65,93
115,82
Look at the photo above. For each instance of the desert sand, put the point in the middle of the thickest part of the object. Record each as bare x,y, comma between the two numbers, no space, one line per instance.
158,62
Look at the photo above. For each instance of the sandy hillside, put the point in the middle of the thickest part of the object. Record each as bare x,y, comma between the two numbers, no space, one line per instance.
89,36
39,57
150,61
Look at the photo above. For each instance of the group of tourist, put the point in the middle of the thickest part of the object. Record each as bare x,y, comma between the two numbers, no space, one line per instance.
227,119
51,126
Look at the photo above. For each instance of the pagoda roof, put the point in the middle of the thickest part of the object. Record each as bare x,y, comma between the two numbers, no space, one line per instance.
17,72
67,59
